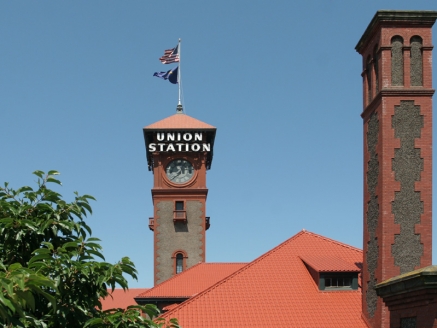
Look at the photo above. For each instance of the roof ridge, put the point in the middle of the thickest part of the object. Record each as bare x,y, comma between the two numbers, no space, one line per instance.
250,264
127,288
334,241
225,262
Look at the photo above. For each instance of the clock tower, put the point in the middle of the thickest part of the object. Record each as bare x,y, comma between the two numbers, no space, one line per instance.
179,152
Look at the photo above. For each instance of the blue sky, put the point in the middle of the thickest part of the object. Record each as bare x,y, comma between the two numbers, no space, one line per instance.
279,79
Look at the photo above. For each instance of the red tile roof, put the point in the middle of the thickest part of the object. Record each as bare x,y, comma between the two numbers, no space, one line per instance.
121,298
179,121
330,263
192,281
276,290
170,307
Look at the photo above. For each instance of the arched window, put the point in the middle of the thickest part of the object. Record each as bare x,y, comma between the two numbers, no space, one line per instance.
397,61
179,263
416,63
376,68
369,79
179,258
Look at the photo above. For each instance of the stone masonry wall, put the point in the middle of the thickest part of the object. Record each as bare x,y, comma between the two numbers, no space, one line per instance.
172,237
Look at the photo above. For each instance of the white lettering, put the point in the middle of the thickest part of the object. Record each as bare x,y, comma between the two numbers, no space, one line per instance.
179,146
170,147
187,146
198,136
187,136
160,136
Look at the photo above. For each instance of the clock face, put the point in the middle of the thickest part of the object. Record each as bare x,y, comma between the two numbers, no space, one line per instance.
179,171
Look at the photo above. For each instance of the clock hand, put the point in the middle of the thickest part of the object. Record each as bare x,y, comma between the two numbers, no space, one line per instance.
174,176
177,173
184,173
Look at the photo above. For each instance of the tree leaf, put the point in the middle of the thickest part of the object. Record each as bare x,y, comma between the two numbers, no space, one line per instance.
39,174
14,266
50,179
53,172
7,302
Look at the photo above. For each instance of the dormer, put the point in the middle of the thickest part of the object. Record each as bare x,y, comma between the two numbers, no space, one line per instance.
332,273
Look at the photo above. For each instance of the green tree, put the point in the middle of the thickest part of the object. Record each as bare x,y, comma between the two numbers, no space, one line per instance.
52,272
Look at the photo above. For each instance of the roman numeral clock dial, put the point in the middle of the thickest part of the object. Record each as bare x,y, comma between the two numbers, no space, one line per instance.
179,171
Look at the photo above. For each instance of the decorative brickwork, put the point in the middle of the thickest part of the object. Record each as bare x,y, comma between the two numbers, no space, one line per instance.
372,212
397,61
416,65
407,165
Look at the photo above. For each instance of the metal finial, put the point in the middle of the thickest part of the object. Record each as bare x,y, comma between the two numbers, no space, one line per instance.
179,109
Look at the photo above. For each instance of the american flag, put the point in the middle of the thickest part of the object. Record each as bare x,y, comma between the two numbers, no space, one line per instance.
170,56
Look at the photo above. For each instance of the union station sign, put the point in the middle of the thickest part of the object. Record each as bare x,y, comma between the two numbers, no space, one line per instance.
179,142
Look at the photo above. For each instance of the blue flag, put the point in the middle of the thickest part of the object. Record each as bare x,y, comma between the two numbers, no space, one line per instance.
171,75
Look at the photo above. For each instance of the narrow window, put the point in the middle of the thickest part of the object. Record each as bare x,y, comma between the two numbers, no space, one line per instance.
179,213
397,61
376,68
179,206
179,263
369,79
328,282
416,63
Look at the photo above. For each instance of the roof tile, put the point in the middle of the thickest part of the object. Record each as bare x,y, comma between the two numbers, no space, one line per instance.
192,281
330,264
121,298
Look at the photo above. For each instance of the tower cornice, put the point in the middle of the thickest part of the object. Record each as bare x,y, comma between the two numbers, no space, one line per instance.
188,193
398,18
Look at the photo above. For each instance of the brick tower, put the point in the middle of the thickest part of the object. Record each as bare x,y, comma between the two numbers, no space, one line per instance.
179,152
397,117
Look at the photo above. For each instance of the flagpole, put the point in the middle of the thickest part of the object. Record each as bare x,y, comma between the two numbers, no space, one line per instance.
179,73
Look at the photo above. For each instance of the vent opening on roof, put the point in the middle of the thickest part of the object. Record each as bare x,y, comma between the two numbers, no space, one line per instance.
331,273
338,281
